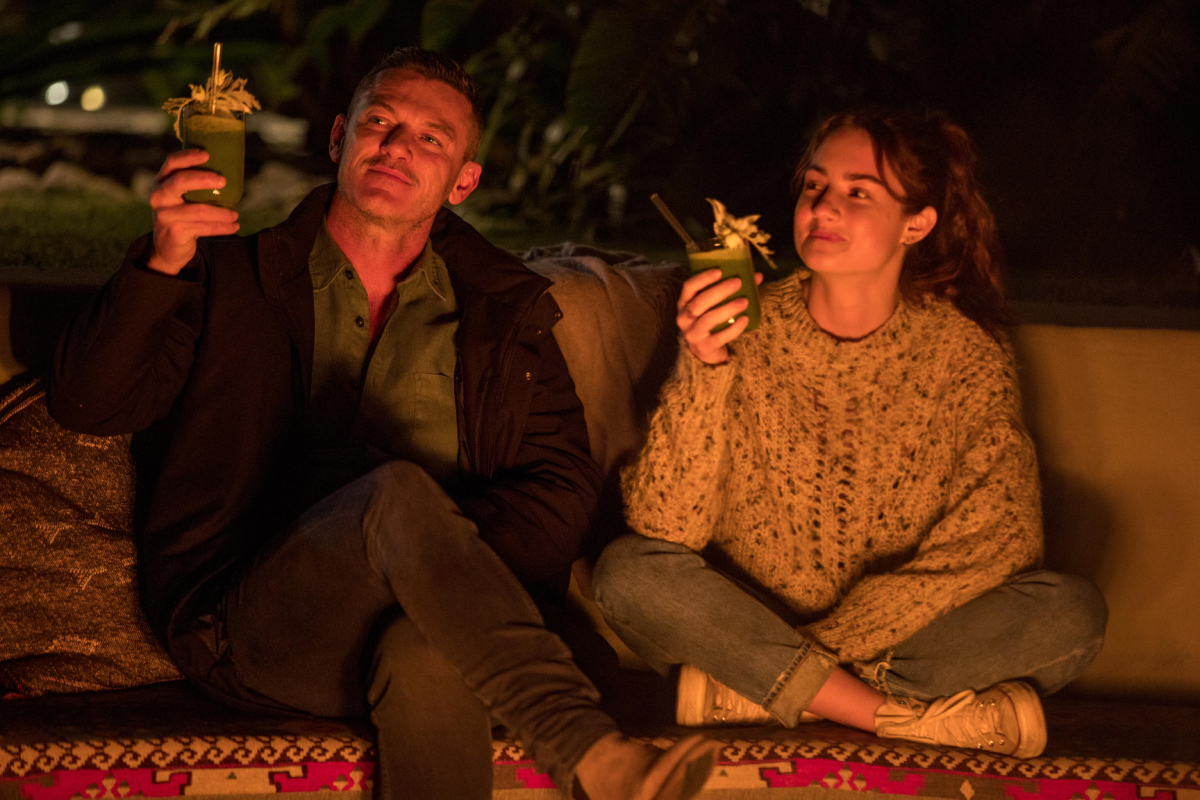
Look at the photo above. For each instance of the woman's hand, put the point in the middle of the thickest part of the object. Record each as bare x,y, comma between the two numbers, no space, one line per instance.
702,307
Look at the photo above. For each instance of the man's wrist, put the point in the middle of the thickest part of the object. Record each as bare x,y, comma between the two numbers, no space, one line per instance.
157,263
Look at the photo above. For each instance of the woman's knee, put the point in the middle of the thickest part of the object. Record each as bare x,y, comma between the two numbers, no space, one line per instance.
1073,619
631,571
1073,606
1085,604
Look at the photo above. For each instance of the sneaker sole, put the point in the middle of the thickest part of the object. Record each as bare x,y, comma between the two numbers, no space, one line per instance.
1031,722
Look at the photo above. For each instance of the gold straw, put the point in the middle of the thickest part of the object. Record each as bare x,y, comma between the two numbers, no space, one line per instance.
666,212
212,95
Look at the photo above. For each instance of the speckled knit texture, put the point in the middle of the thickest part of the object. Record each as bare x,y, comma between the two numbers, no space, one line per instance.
870,485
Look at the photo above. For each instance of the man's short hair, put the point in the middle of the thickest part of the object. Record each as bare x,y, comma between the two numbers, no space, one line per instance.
434,67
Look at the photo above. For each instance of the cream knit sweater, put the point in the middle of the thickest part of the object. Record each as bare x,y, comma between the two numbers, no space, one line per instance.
870,485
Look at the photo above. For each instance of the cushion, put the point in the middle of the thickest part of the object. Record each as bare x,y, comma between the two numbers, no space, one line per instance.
69,614
617,335
1115,414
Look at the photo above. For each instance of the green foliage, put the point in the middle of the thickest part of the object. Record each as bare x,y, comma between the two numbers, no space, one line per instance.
441,20
586,98
594,104
606,68
461,28
352,19
206,19
622,48
169,44
68,231
117,36
163,44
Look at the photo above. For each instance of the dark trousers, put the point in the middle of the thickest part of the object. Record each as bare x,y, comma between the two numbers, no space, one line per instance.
382,598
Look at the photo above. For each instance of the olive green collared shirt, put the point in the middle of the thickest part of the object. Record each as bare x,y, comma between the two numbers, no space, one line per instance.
397,400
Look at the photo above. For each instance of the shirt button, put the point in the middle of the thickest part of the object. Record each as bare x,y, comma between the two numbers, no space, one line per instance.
358,321
528,376
350,274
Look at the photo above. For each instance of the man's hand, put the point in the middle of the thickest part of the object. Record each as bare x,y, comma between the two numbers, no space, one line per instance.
177,223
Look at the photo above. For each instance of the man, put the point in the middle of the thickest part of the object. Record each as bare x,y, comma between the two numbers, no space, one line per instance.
357,438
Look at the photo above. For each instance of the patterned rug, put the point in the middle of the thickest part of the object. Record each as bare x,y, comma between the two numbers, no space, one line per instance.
167,741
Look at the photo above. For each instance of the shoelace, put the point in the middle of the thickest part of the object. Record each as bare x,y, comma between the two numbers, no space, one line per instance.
967,717
727,703
987,722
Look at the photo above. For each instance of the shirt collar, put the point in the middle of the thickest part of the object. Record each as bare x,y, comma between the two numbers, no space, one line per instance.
327,261
431,265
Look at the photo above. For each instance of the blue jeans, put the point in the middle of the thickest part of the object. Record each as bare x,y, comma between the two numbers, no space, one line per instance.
671,607
382,598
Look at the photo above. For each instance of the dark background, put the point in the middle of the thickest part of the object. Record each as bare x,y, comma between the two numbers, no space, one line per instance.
1085,112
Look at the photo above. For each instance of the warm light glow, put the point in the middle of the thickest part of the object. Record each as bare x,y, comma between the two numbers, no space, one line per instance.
56,93
67,32
92,98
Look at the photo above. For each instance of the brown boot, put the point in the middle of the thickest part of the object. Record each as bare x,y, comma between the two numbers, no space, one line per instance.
617,768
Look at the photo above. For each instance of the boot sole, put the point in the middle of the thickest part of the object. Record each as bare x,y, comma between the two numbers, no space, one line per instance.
689,774
1031,721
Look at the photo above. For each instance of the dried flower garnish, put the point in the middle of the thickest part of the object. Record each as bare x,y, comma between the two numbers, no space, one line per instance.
231,96
735,230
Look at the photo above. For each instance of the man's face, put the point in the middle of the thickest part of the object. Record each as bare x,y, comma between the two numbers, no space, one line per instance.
402,151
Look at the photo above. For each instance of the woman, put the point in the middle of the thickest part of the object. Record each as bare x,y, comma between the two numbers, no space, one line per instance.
856,474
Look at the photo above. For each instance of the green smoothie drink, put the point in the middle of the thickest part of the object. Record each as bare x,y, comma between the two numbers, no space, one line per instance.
213,119
733,262
223,136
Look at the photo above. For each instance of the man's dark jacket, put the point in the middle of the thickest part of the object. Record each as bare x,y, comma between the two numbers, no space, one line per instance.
213,368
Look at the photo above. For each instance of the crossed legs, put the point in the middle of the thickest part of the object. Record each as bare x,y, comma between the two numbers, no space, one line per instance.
671,607
313,625
424,715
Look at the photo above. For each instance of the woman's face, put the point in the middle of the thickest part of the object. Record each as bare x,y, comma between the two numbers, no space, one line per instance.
846,221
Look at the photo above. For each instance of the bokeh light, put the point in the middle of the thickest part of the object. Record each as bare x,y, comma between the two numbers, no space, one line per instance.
93,98
57,93
67,32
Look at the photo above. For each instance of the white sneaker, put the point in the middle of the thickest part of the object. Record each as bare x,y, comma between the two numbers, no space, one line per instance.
1007,718
703,700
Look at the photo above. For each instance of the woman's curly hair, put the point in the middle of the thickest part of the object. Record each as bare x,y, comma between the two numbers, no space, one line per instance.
934,160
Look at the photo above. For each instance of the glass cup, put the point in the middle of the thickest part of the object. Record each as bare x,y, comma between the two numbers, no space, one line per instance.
733,262
223,136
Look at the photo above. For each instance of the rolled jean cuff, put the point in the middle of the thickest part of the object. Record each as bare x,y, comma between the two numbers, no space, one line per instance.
799,683
874,673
